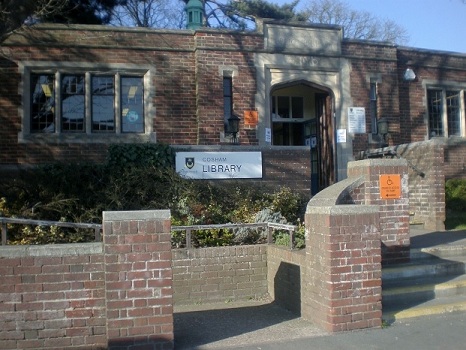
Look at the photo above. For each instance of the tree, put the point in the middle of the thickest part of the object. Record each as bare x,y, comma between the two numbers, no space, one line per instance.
242,14
16,13
356,24
84,12
149,13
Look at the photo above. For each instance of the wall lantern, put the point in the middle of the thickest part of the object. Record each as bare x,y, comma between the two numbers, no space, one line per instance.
382,129
233,127
409,75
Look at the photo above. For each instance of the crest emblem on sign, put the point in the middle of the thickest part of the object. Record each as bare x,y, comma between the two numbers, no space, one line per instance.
189,162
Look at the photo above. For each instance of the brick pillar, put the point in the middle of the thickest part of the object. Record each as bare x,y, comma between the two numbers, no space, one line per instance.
342,280
138,279
394,212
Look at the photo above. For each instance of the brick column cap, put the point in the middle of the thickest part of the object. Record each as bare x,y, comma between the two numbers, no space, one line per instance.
136,215
377,162
344,209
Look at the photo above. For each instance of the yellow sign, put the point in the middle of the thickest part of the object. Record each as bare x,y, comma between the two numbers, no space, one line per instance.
390,186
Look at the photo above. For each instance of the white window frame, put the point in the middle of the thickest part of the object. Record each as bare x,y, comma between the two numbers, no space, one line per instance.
147,72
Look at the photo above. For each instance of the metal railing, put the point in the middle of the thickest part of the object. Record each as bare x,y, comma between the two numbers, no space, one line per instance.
270,226
4,221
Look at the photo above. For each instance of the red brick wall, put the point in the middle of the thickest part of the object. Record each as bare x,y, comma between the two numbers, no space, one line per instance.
455,159
228,50
342,283
138,283
91,296
287,167
394,212
219,274
376,61
427,192
429,67
285,275
52,298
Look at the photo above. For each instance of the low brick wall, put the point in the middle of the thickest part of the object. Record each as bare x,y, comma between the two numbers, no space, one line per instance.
426,182
111,295
393,212
219,274
52,297
343,277
285,273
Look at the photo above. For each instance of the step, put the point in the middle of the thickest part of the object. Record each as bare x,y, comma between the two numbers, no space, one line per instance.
444,252
424,268
437,306
423,288
434,282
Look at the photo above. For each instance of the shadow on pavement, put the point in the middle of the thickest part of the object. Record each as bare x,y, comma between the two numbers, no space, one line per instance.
436,238
226,325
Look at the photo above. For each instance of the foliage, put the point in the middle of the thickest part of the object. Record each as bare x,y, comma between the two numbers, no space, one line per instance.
283,238
455,203
213,238
18,14
84,12
249,235
356,24
135,177
15,13
455,195
241,14
50,235
149,14
145,154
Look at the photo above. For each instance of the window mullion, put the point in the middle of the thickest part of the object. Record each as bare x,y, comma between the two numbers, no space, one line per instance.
58,98
87,102
117,103
445,113
463,113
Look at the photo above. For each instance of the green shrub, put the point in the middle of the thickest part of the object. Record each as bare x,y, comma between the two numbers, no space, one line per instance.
156,155
455,195
283,238
136,177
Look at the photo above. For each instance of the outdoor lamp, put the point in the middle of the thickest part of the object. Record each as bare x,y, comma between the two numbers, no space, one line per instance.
409,75
233,127
382,129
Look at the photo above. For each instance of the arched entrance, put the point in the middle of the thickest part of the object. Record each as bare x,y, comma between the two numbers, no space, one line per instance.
301,115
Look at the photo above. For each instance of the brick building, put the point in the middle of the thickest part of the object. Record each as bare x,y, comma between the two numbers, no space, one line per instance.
308,100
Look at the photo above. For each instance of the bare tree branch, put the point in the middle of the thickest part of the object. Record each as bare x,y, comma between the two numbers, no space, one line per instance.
356,24
14,14
149,13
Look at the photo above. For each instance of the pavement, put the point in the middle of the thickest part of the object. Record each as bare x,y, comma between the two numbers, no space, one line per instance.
261,324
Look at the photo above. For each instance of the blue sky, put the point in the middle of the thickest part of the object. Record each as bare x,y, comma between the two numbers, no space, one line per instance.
431,24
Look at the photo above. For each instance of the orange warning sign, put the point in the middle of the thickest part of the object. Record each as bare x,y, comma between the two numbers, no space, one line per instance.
251,118
390,186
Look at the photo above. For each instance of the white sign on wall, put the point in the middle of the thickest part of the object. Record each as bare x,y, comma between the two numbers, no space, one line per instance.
356,120
219,165
341,135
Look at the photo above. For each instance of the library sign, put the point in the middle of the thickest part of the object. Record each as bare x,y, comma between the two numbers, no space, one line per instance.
219,165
